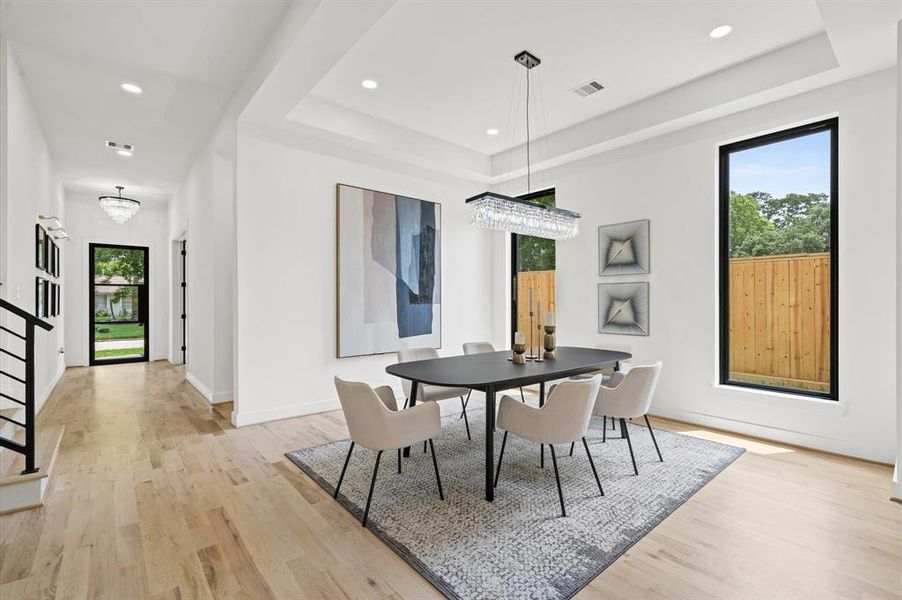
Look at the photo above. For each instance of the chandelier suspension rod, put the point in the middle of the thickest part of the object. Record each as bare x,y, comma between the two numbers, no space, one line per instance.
528,173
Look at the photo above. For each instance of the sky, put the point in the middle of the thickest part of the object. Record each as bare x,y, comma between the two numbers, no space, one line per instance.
800,165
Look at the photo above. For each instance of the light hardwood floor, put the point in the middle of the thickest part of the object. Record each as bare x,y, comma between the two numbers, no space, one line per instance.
156,495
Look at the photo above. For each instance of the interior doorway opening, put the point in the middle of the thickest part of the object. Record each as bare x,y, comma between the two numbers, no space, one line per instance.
533,278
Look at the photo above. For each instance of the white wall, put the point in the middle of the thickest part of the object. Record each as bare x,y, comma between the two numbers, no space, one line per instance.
29,186
286,276
897,475
204,207
672,180
87,223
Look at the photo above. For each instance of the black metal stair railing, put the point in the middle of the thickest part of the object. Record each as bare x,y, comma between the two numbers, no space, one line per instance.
31,321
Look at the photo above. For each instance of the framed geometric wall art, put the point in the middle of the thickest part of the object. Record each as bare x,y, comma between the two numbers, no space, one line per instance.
389,272
623,248
623,308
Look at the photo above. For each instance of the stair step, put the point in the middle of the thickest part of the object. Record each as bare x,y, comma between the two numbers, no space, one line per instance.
11,431
18,491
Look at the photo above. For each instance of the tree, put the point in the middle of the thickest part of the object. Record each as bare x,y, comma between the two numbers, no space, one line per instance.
761,225
535,253
119,262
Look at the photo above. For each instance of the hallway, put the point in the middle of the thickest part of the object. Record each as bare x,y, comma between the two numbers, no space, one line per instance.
156,495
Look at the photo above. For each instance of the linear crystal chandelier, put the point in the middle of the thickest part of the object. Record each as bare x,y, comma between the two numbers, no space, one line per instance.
504,213
491,210
118,208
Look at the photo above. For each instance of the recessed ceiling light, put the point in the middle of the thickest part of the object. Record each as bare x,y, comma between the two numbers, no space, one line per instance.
491,131
369,84
124,152
721,31
131,88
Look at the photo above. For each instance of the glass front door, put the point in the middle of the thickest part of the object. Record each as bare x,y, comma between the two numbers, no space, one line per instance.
118,304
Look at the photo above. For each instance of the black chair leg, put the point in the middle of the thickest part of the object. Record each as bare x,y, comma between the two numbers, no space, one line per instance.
522,397
612,425
406,402
652,432
424,447
500,456
343,469
466,421
467,401
369,498
438,479
625,433
592,464
399,461
557,478
571,447
604,429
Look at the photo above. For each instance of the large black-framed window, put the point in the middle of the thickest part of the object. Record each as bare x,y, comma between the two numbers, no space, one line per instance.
118,277
530,254
778,261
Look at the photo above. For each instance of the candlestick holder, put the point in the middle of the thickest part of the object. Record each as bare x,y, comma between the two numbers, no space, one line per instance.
550,342
530,355
518,358
539,357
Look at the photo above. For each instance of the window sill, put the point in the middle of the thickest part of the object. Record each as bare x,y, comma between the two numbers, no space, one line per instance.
822,405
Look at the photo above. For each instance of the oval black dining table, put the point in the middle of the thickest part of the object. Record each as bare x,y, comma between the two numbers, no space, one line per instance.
493,372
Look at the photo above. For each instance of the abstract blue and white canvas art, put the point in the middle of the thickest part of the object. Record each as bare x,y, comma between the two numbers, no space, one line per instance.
389,272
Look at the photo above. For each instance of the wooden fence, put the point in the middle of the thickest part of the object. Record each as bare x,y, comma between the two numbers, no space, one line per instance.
780,320
543,284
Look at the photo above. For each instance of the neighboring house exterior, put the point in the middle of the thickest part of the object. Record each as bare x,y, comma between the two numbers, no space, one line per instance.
110,299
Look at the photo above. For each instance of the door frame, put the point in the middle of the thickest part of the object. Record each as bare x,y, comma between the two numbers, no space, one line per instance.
143,304
183,245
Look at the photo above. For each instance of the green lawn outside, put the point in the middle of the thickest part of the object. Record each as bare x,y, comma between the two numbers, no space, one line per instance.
119,332
118,352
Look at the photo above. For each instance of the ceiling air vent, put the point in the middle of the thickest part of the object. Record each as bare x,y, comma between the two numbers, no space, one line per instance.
119,146
588,88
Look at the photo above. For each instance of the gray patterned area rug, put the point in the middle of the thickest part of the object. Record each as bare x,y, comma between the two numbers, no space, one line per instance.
519,546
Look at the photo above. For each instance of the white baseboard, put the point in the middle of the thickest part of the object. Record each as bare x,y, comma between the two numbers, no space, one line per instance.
895,491
211,396
241,419
795,438
220,397
200,387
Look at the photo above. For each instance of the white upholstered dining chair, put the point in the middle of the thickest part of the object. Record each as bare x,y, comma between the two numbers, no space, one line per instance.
564,419
375,422
627,396
482,348
427,392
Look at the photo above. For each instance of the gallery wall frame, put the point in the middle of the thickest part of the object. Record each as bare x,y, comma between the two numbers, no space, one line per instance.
39,297
624,248
623,308
40,247
388,272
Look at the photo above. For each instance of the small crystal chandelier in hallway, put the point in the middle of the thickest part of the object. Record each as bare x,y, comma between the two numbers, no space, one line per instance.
505,213
118,208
